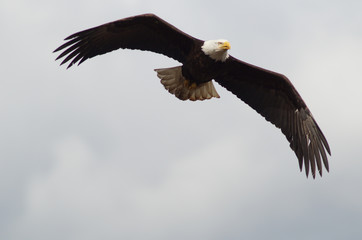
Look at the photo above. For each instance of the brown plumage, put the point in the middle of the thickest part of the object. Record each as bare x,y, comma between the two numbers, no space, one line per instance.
271,94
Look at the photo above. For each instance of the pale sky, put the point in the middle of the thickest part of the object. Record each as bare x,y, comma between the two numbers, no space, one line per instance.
103,151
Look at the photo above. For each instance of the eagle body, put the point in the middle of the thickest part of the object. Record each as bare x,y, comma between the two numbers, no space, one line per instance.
199,68
271,94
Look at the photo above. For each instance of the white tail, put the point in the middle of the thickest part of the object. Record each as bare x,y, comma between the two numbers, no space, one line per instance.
175,83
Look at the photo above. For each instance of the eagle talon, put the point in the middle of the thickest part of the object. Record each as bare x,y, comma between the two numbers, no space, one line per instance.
193,86
189,85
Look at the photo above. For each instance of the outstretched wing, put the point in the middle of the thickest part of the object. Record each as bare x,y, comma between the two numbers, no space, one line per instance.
143,32
274,97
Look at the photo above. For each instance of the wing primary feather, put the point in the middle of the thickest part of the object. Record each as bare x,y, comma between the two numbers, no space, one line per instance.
311,158
324,156
70,56
68,50
303,142
322,138
321,143
64,45
318,158
293,144
317,150
315,143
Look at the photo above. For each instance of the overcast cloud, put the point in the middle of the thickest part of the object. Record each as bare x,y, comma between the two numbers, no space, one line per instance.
102,151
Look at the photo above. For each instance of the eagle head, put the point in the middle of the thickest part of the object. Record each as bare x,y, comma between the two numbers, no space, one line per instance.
216,49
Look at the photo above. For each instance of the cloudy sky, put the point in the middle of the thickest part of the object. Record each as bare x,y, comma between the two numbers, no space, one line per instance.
102,151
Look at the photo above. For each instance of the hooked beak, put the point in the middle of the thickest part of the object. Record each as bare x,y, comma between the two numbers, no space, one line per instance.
225,46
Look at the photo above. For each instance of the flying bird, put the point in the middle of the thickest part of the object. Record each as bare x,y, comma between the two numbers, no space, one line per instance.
269,93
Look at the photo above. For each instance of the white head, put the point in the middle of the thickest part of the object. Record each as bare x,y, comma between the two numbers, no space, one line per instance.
216,49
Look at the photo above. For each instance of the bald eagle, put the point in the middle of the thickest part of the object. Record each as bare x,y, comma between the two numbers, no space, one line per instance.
271,94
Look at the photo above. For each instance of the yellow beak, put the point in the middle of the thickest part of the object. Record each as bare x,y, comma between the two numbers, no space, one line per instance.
225,46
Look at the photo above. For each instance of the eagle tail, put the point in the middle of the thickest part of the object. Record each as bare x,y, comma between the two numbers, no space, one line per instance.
176,84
